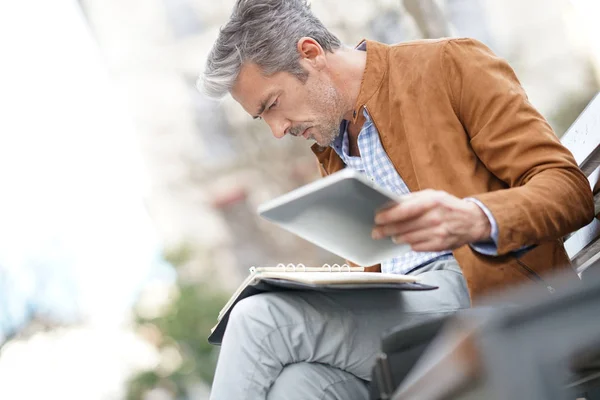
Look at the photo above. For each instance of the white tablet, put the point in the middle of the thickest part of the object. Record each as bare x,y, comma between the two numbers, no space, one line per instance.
337,213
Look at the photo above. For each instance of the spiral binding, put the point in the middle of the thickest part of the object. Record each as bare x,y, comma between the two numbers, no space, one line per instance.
339,267
302,268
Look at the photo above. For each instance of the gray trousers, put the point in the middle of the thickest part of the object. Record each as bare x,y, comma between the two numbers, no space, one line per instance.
314,345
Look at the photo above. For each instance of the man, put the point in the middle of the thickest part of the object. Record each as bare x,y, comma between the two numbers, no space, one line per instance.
488,187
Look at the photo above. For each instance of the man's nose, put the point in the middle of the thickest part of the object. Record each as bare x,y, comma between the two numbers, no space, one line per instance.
279,127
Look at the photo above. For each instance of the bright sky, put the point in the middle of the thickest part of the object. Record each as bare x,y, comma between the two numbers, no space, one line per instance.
71,176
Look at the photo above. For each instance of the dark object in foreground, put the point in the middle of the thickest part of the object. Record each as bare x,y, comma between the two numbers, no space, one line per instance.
535,347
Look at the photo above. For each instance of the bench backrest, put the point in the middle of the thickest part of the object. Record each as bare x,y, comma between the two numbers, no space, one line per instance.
583,140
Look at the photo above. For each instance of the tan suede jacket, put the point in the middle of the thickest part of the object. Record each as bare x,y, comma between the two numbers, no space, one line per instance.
453,116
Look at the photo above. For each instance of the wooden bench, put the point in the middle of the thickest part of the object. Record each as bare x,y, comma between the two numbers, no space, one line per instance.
491,353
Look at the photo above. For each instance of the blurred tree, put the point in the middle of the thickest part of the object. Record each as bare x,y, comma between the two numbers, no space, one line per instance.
187,359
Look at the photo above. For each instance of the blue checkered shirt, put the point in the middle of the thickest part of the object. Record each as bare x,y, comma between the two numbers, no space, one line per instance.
376,165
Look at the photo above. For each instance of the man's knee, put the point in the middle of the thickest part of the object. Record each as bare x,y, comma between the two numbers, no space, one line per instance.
306,381
267,309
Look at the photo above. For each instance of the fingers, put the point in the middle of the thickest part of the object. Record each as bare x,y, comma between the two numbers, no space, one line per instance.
421,220
432,221
429,220
433,239
414,237
412,207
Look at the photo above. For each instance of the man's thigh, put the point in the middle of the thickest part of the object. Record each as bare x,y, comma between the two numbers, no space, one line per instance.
312,381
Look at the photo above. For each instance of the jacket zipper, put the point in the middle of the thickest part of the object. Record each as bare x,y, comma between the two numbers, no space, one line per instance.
535,276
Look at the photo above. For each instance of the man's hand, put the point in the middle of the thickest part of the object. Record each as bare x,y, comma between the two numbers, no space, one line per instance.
432,220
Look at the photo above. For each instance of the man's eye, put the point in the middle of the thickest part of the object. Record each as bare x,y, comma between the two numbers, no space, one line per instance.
274,104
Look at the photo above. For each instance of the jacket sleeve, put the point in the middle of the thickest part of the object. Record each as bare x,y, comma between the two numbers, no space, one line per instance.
547,196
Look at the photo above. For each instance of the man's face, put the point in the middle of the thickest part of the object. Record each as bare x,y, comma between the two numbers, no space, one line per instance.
313,109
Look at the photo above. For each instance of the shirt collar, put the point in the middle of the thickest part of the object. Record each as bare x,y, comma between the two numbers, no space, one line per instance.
338,143
339,140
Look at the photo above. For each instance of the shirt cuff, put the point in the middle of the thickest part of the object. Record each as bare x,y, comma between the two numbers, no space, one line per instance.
486,247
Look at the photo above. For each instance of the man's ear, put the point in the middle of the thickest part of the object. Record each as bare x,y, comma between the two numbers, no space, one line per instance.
311,52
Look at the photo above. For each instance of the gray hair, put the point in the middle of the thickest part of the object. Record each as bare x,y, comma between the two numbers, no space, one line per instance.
266,33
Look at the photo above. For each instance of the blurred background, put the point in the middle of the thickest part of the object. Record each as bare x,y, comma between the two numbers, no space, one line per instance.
127,205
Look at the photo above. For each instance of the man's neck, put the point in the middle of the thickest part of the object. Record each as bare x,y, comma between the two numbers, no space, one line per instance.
348,66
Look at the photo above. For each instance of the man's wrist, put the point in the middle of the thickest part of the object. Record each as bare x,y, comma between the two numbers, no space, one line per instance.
482,228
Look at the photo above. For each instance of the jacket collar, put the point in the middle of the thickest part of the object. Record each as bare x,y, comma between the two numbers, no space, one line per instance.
375,72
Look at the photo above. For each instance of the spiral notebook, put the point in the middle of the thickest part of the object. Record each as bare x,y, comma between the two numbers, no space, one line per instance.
328,278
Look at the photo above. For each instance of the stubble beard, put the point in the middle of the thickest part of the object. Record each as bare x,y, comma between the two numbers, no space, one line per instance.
330,105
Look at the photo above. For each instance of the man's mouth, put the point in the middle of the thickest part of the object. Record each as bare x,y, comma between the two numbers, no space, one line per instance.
306,134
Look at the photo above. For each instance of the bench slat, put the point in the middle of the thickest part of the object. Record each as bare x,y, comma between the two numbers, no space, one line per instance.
583,137
583,247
